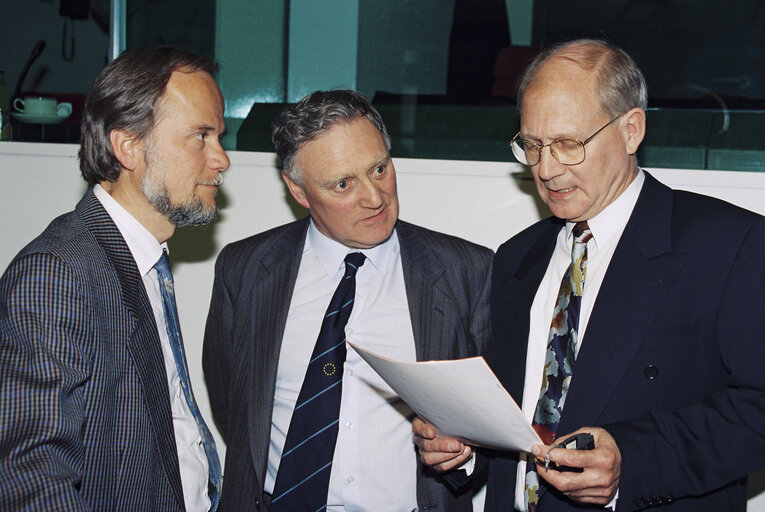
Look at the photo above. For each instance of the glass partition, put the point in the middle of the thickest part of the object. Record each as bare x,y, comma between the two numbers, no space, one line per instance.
443,72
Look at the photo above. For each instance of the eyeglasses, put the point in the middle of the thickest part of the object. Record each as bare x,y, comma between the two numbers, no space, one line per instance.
565,151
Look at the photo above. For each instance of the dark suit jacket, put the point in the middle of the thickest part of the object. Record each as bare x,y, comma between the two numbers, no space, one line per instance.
85,420
672,361
447,283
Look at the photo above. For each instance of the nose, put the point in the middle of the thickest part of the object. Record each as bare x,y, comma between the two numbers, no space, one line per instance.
218,159
548,167
371,196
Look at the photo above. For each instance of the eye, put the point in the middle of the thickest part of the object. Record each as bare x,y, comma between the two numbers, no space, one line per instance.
201,136
341,185
379,170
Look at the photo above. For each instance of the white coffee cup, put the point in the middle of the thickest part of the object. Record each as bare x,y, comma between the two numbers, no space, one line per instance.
64,109
36,105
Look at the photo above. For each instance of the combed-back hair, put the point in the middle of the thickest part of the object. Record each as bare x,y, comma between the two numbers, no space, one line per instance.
126,96
620,84
314,115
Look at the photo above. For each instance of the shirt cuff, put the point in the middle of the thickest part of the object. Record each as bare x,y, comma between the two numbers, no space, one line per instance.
468,465
612,504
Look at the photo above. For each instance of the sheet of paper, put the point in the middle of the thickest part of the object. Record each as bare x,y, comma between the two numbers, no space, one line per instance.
461,398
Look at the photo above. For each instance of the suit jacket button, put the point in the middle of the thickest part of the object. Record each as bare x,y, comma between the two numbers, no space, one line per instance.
651,372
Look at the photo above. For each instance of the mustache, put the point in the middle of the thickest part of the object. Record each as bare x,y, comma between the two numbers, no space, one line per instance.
217,181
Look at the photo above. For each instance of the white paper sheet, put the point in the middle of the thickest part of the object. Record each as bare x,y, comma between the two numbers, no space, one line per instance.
462,398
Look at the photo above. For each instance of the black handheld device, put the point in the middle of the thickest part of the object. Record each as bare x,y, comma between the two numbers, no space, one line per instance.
582,441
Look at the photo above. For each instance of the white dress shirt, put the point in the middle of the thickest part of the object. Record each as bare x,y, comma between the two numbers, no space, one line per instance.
374,466
607,228
146,251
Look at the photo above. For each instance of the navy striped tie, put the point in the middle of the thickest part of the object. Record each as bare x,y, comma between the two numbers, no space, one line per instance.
303,477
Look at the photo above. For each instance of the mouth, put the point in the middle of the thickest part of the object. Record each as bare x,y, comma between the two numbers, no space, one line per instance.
561,191
377,216
215,182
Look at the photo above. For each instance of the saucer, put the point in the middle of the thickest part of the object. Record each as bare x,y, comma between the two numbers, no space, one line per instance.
38,119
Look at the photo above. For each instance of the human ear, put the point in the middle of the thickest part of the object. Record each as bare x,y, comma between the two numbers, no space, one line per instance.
125,146
297,191
634,127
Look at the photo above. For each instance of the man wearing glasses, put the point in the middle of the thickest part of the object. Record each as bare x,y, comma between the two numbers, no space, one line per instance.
629,314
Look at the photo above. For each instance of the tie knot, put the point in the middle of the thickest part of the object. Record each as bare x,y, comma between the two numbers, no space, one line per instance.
163,265
353,261
582,233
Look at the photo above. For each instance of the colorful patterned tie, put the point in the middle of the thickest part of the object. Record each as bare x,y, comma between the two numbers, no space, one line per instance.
167,288
302,480
561,354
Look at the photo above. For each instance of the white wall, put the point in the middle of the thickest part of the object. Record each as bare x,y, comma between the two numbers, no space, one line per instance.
486,202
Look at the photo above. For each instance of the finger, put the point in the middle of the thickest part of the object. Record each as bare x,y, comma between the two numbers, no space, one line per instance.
440,444
592,485
446,461
423,429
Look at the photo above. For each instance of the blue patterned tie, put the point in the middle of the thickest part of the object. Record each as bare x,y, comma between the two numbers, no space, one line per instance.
176,342
561,354
302,480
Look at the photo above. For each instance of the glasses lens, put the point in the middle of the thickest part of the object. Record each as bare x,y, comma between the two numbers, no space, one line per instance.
525,152
568,151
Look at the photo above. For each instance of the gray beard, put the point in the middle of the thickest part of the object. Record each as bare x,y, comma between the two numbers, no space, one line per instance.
191,213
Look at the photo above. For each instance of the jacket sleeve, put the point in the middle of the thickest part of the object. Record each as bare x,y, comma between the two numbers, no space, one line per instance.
43,329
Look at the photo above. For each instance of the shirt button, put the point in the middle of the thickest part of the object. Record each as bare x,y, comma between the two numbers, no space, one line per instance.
349,479
349,425
350,372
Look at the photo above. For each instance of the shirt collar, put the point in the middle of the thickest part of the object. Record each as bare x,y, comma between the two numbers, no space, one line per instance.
611,221
144,247
331,253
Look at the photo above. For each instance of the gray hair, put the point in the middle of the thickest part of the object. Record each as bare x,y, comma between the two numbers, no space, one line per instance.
314,115
619,82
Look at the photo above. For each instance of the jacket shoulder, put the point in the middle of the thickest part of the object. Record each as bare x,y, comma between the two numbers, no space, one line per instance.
273,245
445,243
511,252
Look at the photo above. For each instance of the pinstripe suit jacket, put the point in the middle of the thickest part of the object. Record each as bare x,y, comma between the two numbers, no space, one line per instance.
85,420
446,284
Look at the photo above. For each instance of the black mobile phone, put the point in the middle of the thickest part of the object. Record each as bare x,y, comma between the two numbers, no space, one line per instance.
583,441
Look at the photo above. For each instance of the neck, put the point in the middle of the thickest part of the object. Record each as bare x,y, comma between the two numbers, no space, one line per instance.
135,202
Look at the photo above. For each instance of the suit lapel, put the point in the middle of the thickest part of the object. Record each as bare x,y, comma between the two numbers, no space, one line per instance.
428,301
642,271
143,342
270,277
511,299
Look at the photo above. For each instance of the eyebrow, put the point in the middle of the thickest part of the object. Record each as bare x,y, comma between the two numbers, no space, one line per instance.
380,161
533,138
206,128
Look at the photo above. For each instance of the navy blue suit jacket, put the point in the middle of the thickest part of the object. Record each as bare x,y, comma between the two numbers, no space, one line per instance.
672,361
85,419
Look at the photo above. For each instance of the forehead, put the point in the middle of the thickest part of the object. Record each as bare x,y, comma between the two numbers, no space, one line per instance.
192,94
345,148
561,99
